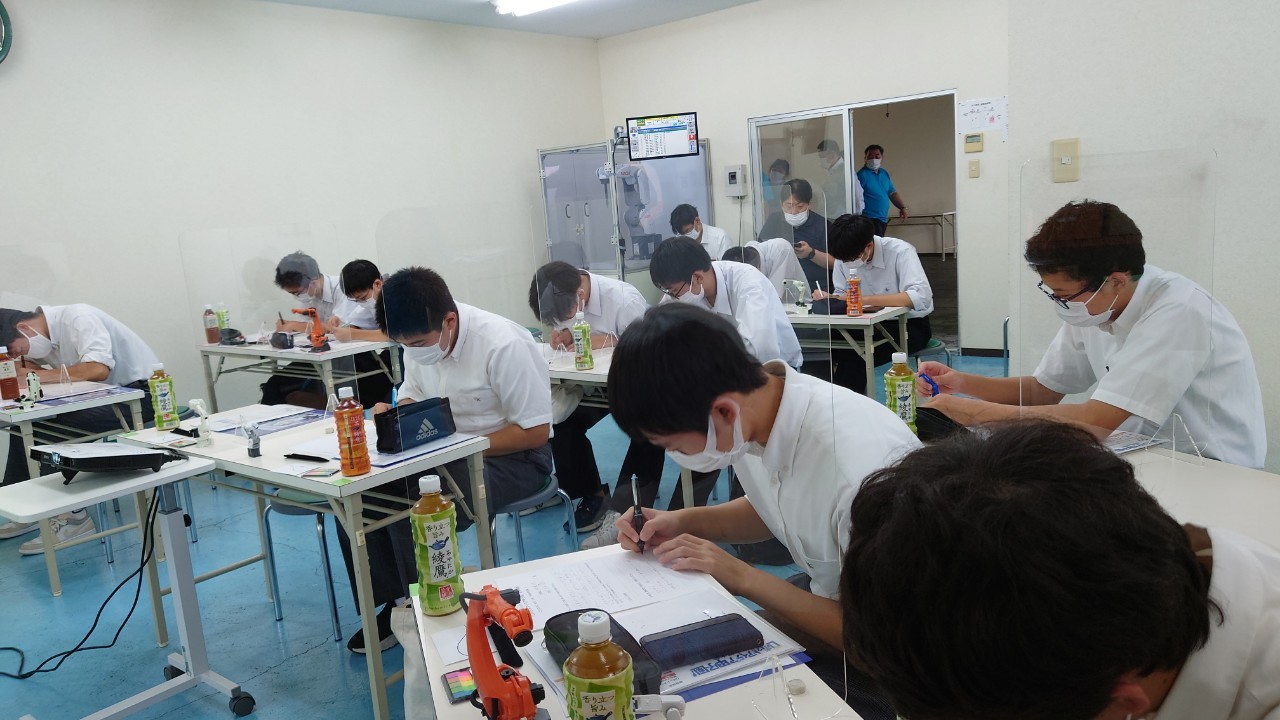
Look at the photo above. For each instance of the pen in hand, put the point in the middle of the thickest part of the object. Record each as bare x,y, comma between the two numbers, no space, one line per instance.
637,517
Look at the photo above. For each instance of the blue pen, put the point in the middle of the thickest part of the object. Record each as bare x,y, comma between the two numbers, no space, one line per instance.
932,385
393,397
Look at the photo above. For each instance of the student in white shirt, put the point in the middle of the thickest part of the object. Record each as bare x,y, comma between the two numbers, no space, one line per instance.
557,292
1155,343
1023,572
92,346
776,259
685,221
890,275
685,273
353,319
799,445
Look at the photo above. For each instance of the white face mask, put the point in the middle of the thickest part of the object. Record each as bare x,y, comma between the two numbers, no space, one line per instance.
39,346
711,458
694,298
796,219
429,355
693,235
856,264
874,163
1077,313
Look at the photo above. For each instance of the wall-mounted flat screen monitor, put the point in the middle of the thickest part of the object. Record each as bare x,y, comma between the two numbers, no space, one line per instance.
662,136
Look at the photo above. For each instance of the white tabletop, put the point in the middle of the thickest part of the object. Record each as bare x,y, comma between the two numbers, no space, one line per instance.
561,365
265,351
799,317
47,496
230,453
1212,493
40,411
818,700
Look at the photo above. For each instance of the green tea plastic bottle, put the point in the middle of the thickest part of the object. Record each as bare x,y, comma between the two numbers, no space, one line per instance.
224,316
598,675
162,398
900,390
435,538
582,359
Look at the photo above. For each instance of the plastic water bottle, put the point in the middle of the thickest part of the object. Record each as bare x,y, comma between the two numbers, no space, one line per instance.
581,329
353,446
162,398
435,538
598,675
210,319
900,390
224,317
853,303
8,376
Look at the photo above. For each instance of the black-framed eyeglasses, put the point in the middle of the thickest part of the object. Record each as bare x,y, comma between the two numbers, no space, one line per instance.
677,292
1062,301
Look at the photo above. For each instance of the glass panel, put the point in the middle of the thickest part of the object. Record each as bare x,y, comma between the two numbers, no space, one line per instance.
1168,195
790,149
576,198
648,191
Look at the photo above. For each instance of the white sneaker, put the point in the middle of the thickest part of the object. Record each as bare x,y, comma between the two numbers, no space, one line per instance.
606,534
67,526
13,529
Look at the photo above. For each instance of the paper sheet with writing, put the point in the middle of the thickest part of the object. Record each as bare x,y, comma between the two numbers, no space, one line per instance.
234,419
327,446
614,583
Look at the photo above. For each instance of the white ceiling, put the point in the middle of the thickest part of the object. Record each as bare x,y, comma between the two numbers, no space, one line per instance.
583,18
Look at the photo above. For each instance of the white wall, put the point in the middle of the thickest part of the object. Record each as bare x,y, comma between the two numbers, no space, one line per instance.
777,56
1152,76
131,126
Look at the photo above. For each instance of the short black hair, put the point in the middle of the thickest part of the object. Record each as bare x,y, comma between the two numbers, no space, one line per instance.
671,365
800,189
553,294
850,236
743,254
676,259
829,146
358,276
683,216
1087,240
781,164
873,147
296,270
1018,571
413,301
9,320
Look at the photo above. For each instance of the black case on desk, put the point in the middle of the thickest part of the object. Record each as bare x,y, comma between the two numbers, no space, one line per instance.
408,426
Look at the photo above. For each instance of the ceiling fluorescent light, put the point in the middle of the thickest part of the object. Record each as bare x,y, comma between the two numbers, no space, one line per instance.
520,8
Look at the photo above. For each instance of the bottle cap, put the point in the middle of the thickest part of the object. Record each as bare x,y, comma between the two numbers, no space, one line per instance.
579,315
344,393
429,484
593,627
3,349
157,366
899,358
208,306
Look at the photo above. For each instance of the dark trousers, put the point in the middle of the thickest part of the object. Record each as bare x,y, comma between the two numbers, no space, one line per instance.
851,370
392,565
579,475
93,420
882,226
279,390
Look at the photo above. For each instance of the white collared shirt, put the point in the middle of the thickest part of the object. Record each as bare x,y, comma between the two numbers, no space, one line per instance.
83,333
778,262
894,268
495,376
1174,349
715,241
745,295
354,312
825,440
834,187
613,305
330,297
1236,675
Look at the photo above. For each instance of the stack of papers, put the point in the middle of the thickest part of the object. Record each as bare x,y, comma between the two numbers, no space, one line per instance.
327,447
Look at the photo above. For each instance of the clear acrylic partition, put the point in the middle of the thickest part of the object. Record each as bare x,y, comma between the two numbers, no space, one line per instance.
647,191
575,203
1169,194
787,149
234,270
35,274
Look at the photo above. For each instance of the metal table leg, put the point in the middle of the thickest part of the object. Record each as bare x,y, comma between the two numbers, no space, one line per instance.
353,524
480,508
209,381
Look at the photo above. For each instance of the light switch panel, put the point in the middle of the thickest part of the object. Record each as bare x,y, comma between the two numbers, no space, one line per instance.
975,168
1064,160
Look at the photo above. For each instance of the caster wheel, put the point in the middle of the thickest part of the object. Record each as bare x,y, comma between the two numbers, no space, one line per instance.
241,705
171,672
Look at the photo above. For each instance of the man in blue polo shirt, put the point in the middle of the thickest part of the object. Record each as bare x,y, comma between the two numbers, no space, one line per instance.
878,190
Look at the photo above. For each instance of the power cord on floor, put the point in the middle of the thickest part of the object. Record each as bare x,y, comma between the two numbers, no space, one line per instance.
148,548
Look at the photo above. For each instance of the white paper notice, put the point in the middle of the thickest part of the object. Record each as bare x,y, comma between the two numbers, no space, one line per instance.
984,115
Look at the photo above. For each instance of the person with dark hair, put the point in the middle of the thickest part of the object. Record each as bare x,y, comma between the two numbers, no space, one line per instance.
1022,572
836,184
890,275
800,447
685,221
878,190
557,293
1150,342
776,259
806,230
358,284
92,346
683,271
777,174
